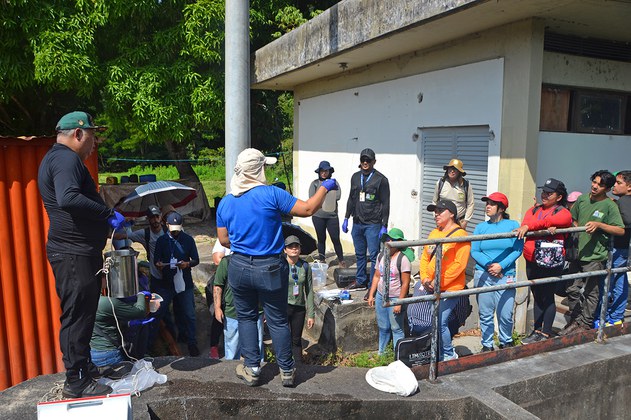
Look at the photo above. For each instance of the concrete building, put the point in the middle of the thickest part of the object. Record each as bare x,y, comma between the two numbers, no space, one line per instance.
519,90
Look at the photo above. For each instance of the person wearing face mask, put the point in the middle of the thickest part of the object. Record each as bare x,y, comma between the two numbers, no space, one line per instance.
455,257
175,254
453,186
369,204
551,214
325,219
495,264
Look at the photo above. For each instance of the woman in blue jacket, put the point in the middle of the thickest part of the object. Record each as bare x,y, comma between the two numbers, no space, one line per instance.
495,264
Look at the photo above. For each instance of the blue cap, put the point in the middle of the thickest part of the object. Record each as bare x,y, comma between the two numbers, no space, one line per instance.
174,221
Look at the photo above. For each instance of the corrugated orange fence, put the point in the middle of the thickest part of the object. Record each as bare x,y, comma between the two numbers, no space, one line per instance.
29,306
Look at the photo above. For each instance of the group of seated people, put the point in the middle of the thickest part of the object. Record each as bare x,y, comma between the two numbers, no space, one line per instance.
495,259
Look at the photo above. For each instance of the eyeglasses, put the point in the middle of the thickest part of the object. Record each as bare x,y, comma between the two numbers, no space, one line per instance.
439,211
452,168
294,273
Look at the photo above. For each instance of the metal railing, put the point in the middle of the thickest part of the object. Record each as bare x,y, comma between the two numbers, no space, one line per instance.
437,295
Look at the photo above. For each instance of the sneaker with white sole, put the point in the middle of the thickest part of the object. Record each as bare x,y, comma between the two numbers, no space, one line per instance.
247,375
452,357
287,377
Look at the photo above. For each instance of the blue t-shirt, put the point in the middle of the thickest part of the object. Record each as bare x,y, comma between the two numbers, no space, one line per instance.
502,251
253,220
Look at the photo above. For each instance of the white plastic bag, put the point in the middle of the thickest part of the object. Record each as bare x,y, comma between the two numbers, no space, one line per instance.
142,376
396,378
178,281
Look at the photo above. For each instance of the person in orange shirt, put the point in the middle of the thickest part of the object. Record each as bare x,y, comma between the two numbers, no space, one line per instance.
452,274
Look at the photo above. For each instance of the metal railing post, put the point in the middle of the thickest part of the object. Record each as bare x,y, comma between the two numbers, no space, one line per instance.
386,282
436,309
604,298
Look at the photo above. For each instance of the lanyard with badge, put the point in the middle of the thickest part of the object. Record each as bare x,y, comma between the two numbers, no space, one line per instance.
294,275
362,193
173,260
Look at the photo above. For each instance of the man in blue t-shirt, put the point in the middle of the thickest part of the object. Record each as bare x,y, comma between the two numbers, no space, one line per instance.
249,223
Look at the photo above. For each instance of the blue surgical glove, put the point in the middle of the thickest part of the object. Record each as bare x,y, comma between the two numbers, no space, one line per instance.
329,184
116,220
345,226
382,231
145,293
139,322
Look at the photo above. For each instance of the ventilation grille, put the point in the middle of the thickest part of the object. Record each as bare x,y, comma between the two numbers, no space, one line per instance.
588,47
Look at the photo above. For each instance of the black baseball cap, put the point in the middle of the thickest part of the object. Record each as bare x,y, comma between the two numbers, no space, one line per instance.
153,210
444,205
369,153
553,185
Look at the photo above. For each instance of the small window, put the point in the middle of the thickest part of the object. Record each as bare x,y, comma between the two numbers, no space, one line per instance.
595,112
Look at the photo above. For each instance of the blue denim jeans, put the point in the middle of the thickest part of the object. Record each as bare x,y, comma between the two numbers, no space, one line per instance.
388,322
261,281
184,302
106,357
500,301
446,307
232,350
618,288
365,238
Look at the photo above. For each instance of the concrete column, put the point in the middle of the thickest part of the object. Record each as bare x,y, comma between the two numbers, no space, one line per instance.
237,90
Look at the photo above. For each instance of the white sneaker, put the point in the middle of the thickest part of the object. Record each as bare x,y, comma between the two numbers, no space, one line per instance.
452,357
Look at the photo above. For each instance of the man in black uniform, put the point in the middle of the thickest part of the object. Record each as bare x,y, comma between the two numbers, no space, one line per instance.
78,230
369,203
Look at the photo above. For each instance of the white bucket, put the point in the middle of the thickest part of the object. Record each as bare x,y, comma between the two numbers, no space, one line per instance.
319,274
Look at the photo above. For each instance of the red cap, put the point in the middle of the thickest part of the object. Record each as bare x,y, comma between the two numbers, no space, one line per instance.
498,197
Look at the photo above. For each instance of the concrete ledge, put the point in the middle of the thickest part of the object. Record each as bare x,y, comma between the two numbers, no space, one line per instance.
585,381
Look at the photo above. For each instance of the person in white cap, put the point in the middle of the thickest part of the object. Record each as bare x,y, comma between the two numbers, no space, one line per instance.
249,223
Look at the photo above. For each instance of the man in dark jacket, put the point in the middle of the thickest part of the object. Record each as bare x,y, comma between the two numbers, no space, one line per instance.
76,237
369,204
175,254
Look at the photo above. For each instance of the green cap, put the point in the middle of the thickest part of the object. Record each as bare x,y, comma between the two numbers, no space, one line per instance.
77,119
394,234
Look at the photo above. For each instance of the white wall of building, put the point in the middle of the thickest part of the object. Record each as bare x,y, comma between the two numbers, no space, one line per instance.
385,117
573,157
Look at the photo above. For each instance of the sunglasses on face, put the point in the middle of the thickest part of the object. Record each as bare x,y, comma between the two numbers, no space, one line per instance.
365,160
439,211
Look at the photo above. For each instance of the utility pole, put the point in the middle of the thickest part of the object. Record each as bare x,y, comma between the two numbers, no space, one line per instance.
237,90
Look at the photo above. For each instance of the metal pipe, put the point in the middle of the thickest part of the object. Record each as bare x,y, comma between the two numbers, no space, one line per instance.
524,283
604,298
436,308
237,90
386,283
471,238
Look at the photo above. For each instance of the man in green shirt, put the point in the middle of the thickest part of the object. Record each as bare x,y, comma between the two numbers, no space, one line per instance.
226,313
601,218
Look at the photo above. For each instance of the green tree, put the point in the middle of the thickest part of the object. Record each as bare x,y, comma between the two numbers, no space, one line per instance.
152,70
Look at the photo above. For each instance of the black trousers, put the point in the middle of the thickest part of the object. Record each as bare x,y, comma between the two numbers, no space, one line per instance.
78,287
544,309
296,316
332,225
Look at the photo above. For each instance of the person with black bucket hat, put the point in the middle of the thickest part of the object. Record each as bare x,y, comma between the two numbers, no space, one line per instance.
325,219
369,204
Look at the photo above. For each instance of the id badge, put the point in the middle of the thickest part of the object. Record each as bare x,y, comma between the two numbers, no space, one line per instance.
362,196
172,263
296,290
